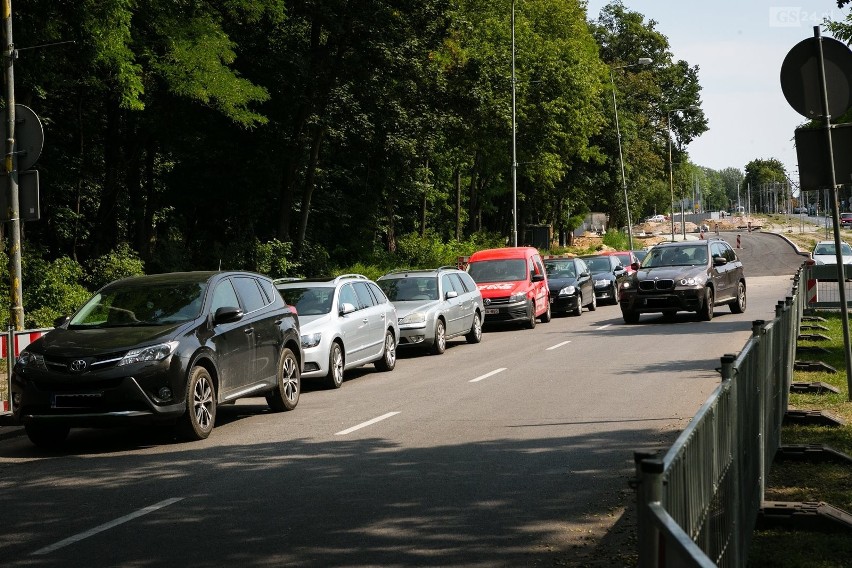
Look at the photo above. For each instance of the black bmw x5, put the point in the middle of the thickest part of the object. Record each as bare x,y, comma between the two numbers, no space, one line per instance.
692,276
166,348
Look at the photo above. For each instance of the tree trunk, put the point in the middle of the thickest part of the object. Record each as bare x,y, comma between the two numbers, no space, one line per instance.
389,209
310,181
105,228
149,233
457,178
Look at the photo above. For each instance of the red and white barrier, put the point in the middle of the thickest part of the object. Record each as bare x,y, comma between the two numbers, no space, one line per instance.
812,292
22,339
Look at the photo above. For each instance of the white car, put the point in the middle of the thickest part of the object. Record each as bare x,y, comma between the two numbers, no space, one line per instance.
656,219
345,322
824,253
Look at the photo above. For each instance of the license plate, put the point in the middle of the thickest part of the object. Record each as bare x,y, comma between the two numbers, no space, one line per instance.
77,400
551,300
491,311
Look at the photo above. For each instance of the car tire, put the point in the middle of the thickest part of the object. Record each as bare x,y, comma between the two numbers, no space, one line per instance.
578,311
48,436
630,316
738,306
706,312
531,315
594,305
334,378
615,298
388,360
547,315
285,395
200,416
475,333
439,344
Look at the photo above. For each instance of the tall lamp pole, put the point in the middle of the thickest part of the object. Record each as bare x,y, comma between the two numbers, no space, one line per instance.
671,172
514,143
642,61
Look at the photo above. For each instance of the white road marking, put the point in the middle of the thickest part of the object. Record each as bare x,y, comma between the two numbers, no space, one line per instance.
557,346
106,526
486,375
604,326
365,424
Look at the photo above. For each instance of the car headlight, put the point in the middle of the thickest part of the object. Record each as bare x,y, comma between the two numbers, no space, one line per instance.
568,291
31,360
601,283
414,317
626,284
694,281
311,340
151,353
518,297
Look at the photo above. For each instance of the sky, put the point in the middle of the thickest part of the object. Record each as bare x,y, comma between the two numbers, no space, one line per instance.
738,46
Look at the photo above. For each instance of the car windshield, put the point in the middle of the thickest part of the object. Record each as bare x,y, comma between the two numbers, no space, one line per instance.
640,254
560,269
828,248
599,264
408,288
625,258
309,300
142,303
676,256
504,270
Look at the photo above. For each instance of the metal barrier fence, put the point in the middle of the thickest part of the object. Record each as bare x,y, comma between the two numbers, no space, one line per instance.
697,506
821,286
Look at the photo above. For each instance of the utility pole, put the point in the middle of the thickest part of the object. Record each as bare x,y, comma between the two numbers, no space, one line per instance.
16,319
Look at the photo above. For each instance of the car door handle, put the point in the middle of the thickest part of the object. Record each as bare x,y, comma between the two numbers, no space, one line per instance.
365,320
248,330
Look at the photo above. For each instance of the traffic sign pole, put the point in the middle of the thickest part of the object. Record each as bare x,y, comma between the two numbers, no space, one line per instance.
16,319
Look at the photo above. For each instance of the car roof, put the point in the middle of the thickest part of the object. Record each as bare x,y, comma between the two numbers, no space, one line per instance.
320,280
503,253
420,272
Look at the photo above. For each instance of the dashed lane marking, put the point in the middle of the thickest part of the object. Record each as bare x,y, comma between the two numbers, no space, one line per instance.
557,346
365,424
486,375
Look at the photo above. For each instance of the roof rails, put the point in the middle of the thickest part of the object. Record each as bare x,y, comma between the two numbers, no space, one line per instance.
345,276
286,279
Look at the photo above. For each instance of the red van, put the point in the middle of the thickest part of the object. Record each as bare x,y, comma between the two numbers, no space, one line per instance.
513,284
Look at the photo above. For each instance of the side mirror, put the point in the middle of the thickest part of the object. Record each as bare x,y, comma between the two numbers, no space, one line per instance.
584,275
227,314
346,308
538,278
635,266
61,320
451,294
719,261
618,270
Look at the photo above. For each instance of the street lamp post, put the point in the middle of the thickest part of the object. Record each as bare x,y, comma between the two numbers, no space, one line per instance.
671,172
514,143
642,61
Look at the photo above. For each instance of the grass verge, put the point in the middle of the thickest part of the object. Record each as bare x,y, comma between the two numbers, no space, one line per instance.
804,481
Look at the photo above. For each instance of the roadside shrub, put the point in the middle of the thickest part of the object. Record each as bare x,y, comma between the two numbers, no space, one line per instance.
120,262
616,240
52,289
272,258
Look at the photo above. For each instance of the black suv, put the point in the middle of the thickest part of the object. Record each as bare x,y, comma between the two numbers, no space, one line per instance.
160,348
692,276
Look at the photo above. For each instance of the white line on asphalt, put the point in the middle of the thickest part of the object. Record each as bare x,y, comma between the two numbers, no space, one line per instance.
604,326
486,375
365,424
557,346
106,526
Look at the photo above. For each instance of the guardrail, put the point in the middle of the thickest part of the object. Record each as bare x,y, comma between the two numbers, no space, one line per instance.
697,505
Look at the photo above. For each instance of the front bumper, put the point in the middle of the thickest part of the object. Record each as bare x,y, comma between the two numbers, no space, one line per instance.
678,300
499,313
607,293
416,334
125,395
564,303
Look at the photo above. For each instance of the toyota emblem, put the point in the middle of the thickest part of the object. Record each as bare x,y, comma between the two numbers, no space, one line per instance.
78,365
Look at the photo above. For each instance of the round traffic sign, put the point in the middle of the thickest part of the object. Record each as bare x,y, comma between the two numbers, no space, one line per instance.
29,136
800,77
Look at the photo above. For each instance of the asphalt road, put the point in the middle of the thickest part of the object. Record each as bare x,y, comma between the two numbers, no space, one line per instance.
513,452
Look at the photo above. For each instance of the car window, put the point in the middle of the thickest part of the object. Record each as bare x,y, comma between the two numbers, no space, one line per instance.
365,299
378,295
560,269
268,289
600,264
467,280
224,296
410,288
136,305
729,252
253,298
309,301
581,266
347,296
458,284
504,270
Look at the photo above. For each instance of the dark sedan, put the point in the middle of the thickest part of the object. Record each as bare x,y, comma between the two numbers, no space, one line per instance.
166,348
607,275
570,285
